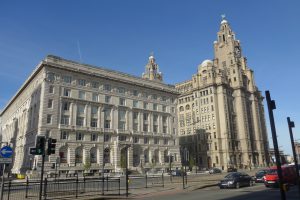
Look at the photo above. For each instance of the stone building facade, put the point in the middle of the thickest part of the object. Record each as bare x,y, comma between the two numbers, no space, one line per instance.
94,113
222,108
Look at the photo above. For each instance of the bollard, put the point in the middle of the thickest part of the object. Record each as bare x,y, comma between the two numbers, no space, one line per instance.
76,187
83,183
163,181
146,181
119,186
26,189
106,183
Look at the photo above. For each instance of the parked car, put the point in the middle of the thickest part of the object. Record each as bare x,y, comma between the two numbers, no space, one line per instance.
289,176
215,171
236,180
231,169
259,176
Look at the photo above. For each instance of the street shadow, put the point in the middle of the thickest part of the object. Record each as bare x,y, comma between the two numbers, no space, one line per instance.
269,193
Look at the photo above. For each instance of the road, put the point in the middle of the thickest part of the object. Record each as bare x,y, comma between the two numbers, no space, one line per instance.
257,192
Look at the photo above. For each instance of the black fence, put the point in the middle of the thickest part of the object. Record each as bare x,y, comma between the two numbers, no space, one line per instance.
73,187
58,188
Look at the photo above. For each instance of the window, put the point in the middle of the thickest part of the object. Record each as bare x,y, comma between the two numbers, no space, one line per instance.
79,136
107,87
64,135
95,84
65,120
93,137
67,92
135,93
50,103
165,141
95,97
79,121
154,96
156,141
135,104
145,105
51,76
94,122
122,138
107,99
135,140
107,118
163,98
106,138
216,146
121,90
145,116
122,101
67,79
122,120
80,109
81,95
173,110
106,156
66,106
94,110
164,108
51,89
146,140
154,106
82,82
234,79
49,119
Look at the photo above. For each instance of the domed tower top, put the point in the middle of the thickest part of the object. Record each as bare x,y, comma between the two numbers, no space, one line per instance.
152,70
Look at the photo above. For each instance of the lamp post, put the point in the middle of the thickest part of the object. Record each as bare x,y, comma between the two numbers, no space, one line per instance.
292,125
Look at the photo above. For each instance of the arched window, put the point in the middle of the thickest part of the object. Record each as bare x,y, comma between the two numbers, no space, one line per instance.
156,156
106,156
78,155
181,109
93,155
63,154
187,107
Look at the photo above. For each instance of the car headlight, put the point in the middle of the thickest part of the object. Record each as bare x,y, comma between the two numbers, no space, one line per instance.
230,182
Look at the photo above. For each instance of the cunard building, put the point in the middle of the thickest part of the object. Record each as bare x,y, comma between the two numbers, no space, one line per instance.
94,113
220,110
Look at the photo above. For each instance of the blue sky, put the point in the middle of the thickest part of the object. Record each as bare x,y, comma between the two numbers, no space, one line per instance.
121,34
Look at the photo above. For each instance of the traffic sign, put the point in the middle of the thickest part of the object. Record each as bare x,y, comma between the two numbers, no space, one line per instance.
5,160
6,152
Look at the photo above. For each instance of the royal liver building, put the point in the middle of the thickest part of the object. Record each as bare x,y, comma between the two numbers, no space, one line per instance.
95,114
220,110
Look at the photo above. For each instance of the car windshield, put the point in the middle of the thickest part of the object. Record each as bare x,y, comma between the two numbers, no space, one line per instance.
232,175
272,171
261,172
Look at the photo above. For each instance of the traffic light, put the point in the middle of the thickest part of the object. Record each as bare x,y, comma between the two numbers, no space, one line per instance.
40,145
51,146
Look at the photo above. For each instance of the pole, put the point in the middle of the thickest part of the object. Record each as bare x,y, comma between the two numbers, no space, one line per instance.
271,106
126,171
103,152
42,175
2,181
292,125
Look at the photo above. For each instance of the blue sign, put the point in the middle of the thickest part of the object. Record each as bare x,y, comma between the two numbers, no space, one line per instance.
6,152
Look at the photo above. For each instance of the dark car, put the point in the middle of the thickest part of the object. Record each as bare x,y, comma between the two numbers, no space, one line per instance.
231,169
215,171
259,176
236,180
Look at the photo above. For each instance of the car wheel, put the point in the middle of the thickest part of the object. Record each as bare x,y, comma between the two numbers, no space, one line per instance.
237,185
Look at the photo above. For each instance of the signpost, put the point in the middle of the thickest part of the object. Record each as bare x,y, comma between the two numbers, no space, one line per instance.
6,153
